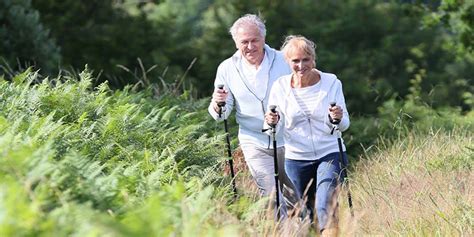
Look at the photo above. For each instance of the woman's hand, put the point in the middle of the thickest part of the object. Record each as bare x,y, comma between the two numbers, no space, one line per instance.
335,112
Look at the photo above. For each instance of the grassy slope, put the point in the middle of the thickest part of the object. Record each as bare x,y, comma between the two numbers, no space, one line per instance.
417,185
77,161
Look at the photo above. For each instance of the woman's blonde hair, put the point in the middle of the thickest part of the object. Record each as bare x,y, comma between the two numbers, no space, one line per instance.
297,42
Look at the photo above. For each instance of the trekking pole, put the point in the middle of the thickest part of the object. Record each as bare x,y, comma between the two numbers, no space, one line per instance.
275,161
342,162
229,153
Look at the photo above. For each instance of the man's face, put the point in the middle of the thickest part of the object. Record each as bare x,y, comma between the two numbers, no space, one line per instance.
250,43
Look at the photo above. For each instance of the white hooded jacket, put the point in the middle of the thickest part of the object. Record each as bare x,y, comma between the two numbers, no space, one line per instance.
308,137
250,103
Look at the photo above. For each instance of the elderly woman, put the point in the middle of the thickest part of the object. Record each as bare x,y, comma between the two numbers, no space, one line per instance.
304,114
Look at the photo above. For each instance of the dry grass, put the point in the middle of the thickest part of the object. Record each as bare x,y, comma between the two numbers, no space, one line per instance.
418,185
259,220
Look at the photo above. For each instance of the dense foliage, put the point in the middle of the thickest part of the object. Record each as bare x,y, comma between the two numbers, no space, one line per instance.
71,154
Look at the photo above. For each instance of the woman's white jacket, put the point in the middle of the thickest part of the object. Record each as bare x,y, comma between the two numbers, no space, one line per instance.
308,137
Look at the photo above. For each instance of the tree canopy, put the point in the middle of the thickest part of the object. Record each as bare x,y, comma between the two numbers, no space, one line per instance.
380,50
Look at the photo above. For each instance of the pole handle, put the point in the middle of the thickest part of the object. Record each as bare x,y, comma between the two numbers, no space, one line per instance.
222,103
273,109
333,121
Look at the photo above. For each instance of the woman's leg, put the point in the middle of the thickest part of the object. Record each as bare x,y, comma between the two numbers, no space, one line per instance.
326,199
303,175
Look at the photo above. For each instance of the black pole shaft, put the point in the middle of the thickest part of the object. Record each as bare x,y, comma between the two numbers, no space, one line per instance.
275,161
229,153
231,161
342,164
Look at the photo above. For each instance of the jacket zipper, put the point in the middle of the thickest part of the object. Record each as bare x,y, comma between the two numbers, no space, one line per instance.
311,136
266,92
263,109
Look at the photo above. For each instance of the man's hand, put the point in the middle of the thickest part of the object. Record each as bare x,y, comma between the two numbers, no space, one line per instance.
272,118
219,96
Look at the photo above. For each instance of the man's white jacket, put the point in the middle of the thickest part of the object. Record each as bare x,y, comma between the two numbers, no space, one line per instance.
250,103
308,137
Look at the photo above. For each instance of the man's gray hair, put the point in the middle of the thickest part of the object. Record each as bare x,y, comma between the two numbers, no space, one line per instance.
248,19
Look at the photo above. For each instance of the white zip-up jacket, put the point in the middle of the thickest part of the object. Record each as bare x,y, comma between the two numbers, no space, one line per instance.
308,137
250,103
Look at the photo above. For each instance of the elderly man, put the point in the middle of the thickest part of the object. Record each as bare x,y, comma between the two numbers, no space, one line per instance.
248,76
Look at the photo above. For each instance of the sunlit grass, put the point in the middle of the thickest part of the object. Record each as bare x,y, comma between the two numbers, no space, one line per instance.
419,185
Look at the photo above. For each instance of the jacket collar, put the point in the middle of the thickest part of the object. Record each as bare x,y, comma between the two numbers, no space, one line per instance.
326,83
270,52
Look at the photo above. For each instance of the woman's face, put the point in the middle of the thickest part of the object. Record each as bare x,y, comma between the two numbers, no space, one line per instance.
300,62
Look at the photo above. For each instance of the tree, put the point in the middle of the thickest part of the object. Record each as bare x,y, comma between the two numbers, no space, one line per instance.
97,33
456,18
24,40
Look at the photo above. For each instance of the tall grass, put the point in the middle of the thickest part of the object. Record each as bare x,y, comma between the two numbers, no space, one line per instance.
420,184
417,185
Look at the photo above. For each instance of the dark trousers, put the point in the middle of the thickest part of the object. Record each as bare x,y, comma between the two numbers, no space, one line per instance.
315,181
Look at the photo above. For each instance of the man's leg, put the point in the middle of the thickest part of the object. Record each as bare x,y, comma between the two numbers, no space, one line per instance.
261,166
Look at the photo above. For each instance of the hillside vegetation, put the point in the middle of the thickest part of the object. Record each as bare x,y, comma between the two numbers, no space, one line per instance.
421,184
82,161
78,161
126,147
